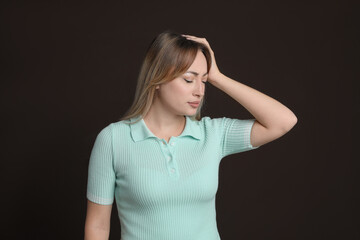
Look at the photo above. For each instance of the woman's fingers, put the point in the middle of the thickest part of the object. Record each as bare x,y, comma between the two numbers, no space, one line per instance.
189,36
201,40
194,38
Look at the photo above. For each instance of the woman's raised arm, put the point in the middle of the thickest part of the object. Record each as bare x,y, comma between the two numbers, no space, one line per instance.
273,119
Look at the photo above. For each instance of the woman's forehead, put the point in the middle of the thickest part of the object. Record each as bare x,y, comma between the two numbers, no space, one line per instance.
199,66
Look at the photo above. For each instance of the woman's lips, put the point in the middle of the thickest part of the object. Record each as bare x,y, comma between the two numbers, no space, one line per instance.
194,104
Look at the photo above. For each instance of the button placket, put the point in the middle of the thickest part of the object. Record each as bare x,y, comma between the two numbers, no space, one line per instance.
168,150
173,167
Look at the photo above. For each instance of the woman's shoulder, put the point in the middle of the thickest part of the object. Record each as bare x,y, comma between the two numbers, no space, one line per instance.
116,126
207,120
211,124
121,124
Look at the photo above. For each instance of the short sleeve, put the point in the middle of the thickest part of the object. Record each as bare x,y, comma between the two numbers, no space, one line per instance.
236,135
101,174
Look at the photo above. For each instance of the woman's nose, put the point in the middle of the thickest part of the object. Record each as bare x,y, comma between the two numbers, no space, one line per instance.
199,88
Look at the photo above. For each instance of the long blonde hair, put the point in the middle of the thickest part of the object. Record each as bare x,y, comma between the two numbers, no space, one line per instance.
168,57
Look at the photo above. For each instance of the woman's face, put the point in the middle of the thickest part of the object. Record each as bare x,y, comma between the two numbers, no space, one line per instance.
177,94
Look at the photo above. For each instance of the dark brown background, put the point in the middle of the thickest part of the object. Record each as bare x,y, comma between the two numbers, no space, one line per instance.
69,68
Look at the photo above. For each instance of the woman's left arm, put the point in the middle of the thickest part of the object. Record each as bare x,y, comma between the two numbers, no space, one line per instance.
273,119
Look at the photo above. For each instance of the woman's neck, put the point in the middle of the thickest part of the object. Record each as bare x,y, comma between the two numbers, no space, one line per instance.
165,125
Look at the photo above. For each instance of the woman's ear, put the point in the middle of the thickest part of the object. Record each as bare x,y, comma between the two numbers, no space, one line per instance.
157,87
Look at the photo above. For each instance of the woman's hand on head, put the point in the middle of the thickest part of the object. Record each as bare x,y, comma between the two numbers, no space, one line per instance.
214,71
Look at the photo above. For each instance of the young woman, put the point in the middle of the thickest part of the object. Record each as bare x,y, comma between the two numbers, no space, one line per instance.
160,161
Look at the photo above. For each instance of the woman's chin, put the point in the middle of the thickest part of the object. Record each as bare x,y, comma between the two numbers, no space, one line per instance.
192,113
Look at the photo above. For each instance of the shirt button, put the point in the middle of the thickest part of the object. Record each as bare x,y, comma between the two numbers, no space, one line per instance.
168,158
172,170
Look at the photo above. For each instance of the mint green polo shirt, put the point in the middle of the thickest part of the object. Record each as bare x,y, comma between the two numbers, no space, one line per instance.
164,190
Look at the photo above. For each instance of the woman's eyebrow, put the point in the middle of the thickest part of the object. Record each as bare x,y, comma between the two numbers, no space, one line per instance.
195,73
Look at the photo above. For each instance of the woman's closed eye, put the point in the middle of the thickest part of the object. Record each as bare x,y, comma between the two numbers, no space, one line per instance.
190,81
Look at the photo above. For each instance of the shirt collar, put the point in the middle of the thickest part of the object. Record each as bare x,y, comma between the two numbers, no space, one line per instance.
139,130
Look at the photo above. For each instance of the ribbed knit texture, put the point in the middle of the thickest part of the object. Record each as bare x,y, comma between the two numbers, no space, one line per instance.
164,191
